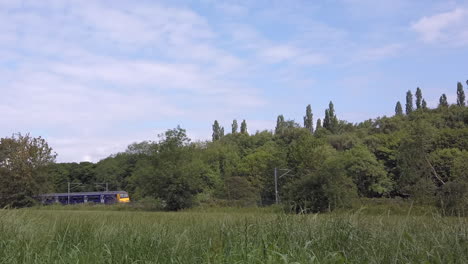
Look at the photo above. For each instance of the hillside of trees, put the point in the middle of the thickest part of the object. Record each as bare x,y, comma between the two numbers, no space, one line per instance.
419,154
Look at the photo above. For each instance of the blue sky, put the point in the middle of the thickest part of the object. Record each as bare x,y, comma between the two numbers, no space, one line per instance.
94,76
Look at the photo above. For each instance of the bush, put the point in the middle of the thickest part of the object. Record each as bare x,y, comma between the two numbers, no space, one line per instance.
453,198
327,189
423,191
240,191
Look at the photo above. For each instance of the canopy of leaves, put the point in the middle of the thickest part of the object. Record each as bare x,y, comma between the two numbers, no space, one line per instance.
23,169
421,155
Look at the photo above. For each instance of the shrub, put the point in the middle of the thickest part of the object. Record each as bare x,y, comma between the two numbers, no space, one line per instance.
453,198
323,190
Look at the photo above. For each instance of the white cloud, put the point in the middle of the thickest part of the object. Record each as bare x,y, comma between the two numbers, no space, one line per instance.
377,53
231,8
78,148
139,24
128,73
289,53
91,77
270,52
82,106
444,27
312,59
94,77
46,99
372,8
245,37
279,53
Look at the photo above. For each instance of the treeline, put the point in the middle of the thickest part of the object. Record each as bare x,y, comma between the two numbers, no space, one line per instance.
419,154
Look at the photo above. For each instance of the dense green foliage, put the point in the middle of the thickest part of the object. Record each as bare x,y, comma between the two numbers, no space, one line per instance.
419,98
330,120
234,236
308,119
398,109
234,126
421,156
23,174
243,128
218,132
443,101
460,95
409,102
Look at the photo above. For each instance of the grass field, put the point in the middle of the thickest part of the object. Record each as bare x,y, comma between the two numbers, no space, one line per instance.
228,236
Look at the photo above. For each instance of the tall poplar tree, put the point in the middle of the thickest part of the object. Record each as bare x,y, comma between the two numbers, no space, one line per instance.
308,119
443,101
280,124
216,131
330,121
409,102
418,98
319,124
460,95
333,118
398,109
234,126
243,128
326,120
424,105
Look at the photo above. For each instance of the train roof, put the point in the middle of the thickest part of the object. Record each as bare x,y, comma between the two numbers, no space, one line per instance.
82,193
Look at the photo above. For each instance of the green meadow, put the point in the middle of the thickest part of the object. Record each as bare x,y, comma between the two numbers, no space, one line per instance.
228,235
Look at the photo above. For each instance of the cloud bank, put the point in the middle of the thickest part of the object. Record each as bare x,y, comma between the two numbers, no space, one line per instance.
92,77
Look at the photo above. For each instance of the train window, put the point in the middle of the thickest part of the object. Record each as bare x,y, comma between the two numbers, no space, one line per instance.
94,198
123,195
77,199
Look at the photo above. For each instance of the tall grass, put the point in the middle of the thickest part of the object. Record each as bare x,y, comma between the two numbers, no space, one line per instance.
75,236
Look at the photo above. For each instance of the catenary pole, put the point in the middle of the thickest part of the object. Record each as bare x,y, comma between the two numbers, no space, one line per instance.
277,198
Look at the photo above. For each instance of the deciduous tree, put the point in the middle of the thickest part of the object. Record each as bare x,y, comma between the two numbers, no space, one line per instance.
23,169
424,105
280,126
308,119
412,161
460,95
243,128
409,102
326,119
418,98
398,109
443,101
330,121
216,131
234,126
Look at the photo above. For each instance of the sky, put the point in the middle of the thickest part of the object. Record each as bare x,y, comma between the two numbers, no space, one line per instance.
92,77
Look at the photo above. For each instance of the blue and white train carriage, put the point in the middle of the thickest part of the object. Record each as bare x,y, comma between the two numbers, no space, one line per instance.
108,197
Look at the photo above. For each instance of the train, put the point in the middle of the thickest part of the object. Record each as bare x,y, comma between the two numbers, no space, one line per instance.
105,197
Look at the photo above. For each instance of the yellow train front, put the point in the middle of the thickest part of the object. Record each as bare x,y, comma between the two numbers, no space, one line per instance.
107,197
123,197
